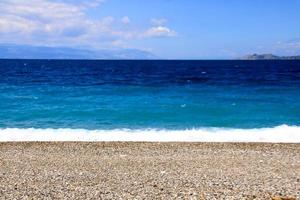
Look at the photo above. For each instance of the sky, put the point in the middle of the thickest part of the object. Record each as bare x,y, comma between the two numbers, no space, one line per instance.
171,29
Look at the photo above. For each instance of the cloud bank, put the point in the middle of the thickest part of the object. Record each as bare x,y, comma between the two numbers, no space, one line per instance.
67,23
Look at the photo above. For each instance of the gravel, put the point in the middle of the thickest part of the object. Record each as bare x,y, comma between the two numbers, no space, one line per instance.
129,170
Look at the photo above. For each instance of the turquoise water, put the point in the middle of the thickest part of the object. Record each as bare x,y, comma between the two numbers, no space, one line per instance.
177,95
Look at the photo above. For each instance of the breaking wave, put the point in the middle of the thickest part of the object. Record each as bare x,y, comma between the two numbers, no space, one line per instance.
279,134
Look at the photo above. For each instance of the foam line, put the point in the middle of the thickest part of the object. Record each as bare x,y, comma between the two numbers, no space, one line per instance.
279,134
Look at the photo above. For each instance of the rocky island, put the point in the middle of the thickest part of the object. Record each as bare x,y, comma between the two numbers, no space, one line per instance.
269,57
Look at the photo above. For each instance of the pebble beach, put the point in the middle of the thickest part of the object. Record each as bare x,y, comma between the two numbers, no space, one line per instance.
129,170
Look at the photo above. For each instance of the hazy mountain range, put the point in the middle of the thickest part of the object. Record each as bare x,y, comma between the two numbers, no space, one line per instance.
269,57
40,52
10,51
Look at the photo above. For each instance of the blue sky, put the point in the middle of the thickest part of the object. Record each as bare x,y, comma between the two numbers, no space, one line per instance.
192,29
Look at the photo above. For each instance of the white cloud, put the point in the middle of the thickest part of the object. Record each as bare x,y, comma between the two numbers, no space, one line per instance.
125,20
159,31
13,24
44,10
57,22
34,18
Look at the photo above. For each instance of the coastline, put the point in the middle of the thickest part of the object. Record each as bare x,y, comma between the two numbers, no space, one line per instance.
278,134
127,170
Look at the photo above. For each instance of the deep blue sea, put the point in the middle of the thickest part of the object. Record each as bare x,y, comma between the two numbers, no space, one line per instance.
148,95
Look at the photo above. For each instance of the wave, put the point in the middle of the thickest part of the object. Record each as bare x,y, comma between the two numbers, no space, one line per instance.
279,134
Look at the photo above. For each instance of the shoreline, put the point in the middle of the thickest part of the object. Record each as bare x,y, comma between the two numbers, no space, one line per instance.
149,170
278,134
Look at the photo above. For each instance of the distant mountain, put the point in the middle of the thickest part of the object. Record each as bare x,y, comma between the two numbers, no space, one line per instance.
269,57
40,52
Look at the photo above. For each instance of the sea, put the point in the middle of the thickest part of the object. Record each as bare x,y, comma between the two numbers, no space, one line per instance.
150,100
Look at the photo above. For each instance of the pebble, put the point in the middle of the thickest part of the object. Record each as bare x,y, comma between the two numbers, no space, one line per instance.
128,170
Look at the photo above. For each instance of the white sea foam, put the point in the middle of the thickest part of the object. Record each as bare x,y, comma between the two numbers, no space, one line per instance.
282,134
